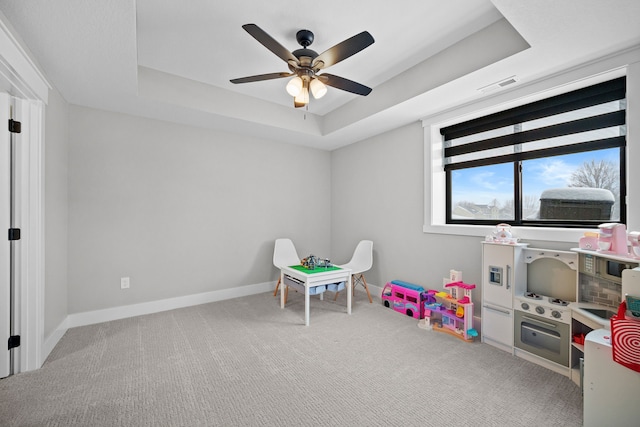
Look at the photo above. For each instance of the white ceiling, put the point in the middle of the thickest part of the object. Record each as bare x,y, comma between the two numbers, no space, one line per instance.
172,60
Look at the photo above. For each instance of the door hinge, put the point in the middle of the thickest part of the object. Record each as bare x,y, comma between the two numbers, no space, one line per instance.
14,126
14,234
14,341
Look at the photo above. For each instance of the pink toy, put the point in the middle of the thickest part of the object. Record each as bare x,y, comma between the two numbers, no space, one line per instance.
452,312
404,297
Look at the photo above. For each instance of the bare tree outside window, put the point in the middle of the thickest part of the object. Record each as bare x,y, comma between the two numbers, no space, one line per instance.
596,174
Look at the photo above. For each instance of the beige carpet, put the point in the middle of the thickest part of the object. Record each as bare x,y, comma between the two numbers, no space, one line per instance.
246,362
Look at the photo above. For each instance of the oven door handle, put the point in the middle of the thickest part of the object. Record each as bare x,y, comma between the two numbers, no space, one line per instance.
531,319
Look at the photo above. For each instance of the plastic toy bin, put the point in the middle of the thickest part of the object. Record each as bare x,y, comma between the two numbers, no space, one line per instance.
336,287
299,286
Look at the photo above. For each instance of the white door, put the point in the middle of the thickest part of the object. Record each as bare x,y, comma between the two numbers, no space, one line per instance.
5,302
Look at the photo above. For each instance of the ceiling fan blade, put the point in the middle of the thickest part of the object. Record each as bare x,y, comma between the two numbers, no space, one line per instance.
344,84
269,42
343,50
261,77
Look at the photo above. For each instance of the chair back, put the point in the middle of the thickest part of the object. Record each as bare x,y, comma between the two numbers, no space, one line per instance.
362,259
284,253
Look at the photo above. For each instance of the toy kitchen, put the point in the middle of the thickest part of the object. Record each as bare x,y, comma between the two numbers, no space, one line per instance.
542,305
526,293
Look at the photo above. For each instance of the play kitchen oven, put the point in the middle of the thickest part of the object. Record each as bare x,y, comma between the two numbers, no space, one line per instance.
542,317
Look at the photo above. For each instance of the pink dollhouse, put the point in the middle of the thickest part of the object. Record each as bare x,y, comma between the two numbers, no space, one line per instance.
451,312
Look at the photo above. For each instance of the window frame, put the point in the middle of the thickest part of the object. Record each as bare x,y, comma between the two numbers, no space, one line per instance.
626,63
592,95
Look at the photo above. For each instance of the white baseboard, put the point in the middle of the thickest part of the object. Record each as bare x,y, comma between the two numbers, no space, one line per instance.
122,312
51,341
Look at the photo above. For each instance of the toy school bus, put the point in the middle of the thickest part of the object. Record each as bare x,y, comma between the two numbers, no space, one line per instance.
404,298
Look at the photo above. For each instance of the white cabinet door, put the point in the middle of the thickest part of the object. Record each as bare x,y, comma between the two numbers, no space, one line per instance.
497,326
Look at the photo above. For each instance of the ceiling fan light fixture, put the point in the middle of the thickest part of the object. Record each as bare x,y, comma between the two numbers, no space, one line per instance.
318,89
294,87
302,98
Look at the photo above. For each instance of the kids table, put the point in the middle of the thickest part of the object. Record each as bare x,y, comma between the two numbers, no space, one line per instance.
299,276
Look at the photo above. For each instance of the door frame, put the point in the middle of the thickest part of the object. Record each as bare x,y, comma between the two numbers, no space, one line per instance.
5,245
21,78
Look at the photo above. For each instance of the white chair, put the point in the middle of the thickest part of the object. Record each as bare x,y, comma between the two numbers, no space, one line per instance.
284,255
361,261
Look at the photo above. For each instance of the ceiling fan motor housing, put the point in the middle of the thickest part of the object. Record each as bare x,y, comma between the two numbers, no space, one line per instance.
304,38
305,56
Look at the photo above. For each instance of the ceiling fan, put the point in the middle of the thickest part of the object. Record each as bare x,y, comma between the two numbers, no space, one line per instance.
305,64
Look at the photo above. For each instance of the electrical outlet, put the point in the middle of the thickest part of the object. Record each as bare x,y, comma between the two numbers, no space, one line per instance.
124,283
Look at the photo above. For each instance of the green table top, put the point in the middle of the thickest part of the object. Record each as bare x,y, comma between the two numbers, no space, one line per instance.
315,270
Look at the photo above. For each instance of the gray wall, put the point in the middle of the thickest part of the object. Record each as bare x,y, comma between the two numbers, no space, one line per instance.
182,210
56,137
377,193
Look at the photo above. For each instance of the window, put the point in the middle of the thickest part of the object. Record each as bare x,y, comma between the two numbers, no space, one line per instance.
555,162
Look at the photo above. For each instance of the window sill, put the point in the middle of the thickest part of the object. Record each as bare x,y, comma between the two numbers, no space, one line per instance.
567,235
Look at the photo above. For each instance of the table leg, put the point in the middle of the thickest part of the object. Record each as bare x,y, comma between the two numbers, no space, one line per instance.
282,286
306,304
349,285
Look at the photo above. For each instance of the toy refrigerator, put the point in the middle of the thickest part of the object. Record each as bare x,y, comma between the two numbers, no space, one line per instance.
503,273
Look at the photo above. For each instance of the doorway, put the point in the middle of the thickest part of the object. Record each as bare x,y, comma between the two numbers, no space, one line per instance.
25,85
21,278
